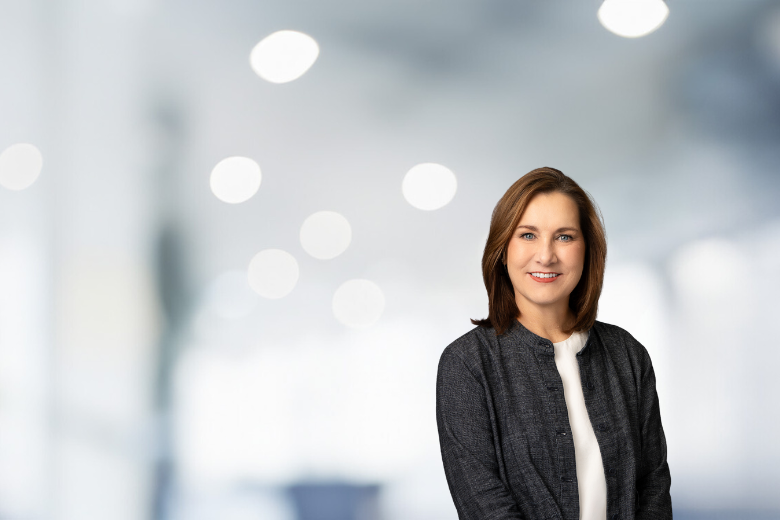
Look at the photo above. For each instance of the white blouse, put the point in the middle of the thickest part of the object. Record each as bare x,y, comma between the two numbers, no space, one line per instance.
591,482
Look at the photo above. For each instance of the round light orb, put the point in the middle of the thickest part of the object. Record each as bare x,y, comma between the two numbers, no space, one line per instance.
20,165
325,235
429,186
273,273
230,295
697,271
235,179
358,303
284,56
632,18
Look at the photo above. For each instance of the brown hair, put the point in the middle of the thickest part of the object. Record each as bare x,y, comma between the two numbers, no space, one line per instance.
583,301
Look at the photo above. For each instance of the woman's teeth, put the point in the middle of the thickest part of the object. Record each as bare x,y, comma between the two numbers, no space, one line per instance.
544,275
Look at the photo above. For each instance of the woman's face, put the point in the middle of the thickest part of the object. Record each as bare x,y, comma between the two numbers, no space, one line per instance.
546,253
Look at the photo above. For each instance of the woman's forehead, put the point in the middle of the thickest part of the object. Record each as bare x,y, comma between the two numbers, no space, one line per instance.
550,210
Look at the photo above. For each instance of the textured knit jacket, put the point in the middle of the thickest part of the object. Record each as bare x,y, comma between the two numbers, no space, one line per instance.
504,431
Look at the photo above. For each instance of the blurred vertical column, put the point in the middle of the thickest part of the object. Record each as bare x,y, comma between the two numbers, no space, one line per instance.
105,305
173,288
24,279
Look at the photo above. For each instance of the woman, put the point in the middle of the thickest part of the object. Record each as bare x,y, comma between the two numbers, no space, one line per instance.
544,412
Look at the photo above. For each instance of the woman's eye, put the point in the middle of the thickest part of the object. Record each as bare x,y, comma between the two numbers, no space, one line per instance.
527,236
565,238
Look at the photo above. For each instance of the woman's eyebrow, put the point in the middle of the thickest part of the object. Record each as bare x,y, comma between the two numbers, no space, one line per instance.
534,228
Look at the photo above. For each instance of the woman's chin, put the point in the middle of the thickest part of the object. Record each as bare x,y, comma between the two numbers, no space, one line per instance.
546,301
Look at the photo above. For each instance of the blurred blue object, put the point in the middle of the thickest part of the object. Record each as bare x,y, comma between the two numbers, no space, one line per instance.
335,501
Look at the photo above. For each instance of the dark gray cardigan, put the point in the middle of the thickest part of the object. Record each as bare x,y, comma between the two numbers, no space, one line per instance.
504,429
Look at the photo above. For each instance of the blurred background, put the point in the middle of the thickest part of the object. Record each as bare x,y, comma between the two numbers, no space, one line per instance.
230,258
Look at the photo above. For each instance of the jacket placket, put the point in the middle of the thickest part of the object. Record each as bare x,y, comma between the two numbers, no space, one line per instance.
567,487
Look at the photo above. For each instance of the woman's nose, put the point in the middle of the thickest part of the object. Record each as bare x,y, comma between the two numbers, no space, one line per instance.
546,253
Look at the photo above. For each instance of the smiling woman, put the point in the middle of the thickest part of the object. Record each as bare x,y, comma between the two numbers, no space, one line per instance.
544,412
544,260
547,222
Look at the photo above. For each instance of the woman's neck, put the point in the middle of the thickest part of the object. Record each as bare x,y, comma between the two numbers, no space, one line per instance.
548,323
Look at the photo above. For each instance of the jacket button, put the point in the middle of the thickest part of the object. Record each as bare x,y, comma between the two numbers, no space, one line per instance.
611,472
602,427
615,516
590,385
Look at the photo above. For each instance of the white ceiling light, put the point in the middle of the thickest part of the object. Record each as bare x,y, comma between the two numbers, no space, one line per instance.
273,273
325,235
429,186
235,179
20,165
358,303
633,18
284,56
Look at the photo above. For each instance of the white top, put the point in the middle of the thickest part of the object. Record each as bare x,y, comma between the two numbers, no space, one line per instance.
591,483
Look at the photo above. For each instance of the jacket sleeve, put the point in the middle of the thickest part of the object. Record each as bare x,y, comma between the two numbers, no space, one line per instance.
467,449
653,479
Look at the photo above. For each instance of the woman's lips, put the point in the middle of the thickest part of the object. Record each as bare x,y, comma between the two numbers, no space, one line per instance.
544,280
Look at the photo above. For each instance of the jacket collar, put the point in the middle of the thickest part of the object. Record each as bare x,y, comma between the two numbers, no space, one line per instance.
519,335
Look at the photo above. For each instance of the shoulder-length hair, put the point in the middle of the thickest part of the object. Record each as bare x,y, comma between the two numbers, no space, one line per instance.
583,301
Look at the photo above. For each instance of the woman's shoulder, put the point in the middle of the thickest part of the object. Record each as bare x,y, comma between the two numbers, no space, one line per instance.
612,333
619,341
469,347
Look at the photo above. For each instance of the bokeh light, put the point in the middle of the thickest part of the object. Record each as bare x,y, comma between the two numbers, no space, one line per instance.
706,278
235,179
325,234
284,56
20,165
230,295
633,18
429,186
358,303
273,273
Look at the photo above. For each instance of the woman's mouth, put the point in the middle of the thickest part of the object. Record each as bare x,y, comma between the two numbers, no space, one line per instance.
544,277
